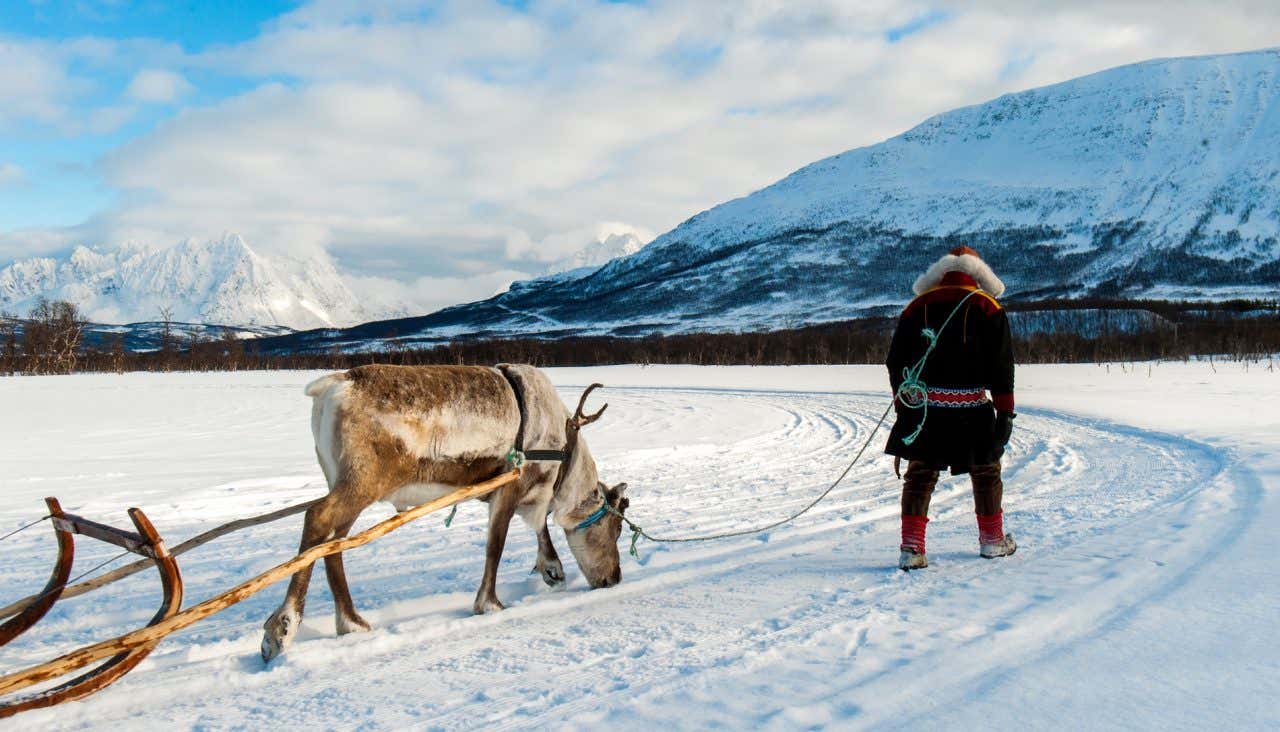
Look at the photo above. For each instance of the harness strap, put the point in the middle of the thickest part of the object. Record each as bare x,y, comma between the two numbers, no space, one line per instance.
558,455
518,455
518,388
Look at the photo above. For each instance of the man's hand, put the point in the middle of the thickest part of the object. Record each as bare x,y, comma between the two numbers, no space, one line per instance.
1003,429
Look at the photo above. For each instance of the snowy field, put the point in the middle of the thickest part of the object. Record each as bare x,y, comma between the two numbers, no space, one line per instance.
1145,593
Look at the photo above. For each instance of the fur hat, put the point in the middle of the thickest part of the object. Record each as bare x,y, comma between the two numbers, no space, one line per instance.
961,259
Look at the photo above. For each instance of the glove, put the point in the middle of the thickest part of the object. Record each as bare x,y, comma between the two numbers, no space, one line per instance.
1003,429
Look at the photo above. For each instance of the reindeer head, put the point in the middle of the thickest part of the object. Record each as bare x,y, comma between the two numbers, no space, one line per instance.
593,537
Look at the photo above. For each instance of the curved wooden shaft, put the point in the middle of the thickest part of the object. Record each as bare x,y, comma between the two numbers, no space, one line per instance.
154,633
122,663
36,606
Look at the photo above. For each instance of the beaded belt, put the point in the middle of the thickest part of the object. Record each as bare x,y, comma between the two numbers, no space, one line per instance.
957,397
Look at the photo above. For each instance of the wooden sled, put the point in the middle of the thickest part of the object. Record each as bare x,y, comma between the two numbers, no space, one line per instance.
124,652
146,542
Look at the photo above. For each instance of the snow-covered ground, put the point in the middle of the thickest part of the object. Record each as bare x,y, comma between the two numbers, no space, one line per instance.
1144,594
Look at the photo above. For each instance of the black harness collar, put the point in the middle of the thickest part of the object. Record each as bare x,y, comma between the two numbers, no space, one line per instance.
518,454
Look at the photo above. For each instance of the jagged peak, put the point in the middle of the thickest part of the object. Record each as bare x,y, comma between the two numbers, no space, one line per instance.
222,280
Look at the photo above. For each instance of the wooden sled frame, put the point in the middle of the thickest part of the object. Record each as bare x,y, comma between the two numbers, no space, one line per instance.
125,652
146,542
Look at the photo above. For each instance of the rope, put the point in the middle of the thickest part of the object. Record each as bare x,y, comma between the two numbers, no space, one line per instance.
24,527
637,532
911,388
77,578
914,393
96,567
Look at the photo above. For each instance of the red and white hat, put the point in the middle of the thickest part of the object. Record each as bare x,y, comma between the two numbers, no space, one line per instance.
961,259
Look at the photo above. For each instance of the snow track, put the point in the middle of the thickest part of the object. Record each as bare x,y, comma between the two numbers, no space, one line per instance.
809,624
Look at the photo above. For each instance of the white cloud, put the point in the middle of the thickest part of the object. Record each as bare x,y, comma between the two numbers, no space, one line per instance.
463,142
428,294
157,86
11,175
33,84
65,87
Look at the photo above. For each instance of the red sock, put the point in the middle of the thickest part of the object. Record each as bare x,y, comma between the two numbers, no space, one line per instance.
990,528
913,532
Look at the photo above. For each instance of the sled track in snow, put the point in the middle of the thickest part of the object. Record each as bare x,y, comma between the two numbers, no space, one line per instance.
807,624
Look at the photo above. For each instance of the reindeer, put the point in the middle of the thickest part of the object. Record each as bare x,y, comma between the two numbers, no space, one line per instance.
410,434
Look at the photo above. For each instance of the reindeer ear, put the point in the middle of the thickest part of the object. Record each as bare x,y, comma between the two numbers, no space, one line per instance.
620,490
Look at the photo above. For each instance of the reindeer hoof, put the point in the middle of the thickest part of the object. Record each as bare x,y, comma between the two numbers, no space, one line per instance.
278,633
552,572
271,647
352,624
491,605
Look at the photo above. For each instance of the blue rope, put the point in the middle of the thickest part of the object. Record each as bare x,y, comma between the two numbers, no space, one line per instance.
913,392
911,385
593,518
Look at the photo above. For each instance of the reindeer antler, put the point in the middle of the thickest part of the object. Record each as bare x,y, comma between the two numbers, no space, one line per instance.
581,420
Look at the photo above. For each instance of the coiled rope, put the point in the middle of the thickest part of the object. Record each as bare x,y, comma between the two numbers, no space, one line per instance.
913,392
912,387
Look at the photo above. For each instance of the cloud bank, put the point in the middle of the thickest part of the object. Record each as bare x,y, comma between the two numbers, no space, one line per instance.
441,149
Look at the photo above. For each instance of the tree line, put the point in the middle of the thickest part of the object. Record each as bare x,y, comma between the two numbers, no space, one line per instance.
50,340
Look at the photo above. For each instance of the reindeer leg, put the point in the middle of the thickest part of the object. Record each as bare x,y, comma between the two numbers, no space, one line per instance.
283,624
548,564
346,618
501,510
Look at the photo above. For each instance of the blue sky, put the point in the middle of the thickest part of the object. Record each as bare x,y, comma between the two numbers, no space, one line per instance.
191,25
440,148
61,183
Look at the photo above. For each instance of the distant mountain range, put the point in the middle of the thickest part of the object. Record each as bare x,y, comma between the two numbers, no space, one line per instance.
223,281
1155,180
597,254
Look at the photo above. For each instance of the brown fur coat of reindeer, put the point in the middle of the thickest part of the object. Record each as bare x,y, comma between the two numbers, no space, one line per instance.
409,434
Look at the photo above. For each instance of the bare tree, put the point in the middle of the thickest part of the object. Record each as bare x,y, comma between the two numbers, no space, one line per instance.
8,344
231,349
166,338
195,341
116,353
53,337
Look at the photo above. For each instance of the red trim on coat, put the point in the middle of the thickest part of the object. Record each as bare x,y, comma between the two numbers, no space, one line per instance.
958,397
1003,402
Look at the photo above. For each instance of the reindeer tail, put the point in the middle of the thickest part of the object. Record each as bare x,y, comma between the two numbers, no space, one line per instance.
320,385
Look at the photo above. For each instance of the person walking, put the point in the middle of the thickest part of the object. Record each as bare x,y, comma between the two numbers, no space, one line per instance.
964,431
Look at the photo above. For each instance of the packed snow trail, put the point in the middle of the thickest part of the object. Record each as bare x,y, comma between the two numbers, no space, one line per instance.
809,624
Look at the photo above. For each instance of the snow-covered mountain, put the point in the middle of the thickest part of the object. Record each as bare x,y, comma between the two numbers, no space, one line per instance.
597,254
218,281
1155,180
